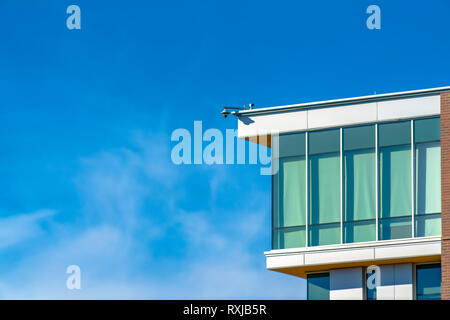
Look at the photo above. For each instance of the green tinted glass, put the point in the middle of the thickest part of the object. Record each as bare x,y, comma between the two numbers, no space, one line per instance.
426,130
359,184
428,282
289,204
362,137
292,144
393,134
318,286
427,177
291,237
395,180
324,141
324,195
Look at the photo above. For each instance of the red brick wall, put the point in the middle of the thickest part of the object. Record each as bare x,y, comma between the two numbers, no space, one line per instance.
445,185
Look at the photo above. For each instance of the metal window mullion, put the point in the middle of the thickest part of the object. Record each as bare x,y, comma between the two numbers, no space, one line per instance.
306,189
412,179
341,183
376,182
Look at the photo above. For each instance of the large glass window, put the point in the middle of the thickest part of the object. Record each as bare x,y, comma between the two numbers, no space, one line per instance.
318,286
323,195
359,184
289,203
427,177
428,282
324,187
395,195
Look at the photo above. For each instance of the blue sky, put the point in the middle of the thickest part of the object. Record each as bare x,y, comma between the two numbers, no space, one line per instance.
86,117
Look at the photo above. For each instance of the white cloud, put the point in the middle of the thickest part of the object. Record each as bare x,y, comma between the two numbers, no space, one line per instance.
131,221
22,227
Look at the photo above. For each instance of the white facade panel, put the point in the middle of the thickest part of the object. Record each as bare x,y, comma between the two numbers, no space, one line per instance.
355,252
342,116
403,281
386,291
404,292
285,261
409,108
401,251
336,116
341,256
280,122
346,284
396,282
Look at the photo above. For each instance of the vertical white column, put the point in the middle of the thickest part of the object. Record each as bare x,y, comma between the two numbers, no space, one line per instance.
341,183
376,182
307,188
412,179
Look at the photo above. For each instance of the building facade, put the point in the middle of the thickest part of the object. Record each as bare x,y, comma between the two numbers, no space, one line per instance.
361,188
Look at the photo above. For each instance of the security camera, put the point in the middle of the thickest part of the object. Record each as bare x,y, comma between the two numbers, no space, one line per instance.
225,113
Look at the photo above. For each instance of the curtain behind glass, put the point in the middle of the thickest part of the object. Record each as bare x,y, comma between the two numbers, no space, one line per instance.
428,189
290,230
293,191
324,194
359,196
395,192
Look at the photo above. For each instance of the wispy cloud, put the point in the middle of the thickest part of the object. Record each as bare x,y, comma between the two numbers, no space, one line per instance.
22,227
136,238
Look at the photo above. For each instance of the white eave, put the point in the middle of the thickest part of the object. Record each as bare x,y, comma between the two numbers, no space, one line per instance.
340,112
345,101
334,256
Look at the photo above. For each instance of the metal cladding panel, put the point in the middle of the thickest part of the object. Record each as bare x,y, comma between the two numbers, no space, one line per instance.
400,251
284,121
409,108
396,282
339,256
346,284
285,261
342,116
255,125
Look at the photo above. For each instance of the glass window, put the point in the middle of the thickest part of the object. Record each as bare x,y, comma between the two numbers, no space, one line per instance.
324,187
428,282
320,180
359,184
318,286
371,294
395,180
427,177
292,144
289,211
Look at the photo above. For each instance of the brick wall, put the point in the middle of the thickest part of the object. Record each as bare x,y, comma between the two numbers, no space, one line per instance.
445,185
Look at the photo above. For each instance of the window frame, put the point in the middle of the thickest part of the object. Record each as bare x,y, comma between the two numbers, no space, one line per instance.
415,286
412,148
315,273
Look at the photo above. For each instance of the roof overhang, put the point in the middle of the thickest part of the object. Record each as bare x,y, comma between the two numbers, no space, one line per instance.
257,125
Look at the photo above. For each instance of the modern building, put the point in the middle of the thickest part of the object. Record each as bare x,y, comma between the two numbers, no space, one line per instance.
360,182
